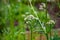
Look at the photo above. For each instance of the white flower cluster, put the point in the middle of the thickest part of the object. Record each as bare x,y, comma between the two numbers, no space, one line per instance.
50,22
29,17
42,6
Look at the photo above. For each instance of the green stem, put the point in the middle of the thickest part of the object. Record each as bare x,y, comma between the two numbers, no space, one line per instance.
42,26
50,32
31,33
47,37
24,33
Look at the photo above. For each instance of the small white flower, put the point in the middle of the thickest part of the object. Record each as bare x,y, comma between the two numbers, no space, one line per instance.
29,17
48,23
43,4
41,7
51,22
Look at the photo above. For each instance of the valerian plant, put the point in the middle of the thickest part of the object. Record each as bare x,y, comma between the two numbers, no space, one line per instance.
21,17
44,27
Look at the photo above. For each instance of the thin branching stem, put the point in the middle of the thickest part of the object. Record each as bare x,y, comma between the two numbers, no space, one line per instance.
37,17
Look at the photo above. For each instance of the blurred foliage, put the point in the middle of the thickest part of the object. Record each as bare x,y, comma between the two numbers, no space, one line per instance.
12,19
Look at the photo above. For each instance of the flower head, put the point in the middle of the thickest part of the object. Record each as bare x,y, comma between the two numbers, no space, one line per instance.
50,22
29,17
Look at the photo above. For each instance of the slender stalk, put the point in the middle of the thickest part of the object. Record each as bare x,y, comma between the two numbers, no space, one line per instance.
31,32
47,36
37,17
50,32
24,33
